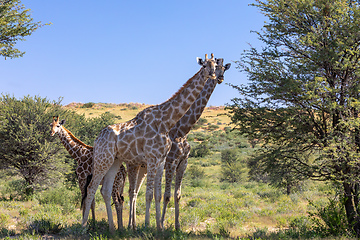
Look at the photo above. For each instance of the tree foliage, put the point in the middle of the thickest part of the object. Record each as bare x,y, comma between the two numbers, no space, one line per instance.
15,24
26,145
302,99
28,150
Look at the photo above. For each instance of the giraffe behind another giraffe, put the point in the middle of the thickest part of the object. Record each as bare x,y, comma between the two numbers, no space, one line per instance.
83,154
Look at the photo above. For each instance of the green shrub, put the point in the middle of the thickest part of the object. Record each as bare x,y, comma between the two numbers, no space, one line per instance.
330,220
200,151
195,176
88,105
233,167
44,226
4,220
57,196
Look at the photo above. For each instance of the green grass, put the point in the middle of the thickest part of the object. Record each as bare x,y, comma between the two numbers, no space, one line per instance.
209,208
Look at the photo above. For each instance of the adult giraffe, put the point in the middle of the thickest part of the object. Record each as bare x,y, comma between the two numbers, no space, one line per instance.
143,140
177,157
83,154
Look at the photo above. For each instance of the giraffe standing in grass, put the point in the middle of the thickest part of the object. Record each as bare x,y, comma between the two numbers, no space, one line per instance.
177,158
143,140
83,154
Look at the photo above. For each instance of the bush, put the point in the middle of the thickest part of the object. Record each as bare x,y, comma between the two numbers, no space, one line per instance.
233,168
195,176
330,220
200,150
88,105
56,196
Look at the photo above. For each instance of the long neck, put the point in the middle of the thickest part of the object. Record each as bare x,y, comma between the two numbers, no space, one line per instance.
184,125
74,146
173,109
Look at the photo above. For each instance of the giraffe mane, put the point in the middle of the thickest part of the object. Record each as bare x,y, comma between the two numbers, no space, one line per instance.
184,86
77,140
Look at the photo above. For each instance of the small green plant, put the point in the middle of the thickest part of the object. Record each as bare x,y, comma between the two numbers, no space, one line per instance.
44,226
4,220
330,220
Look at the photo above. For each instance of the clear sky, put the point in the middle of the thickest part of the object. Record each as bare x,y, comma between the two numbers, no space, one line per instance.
117,51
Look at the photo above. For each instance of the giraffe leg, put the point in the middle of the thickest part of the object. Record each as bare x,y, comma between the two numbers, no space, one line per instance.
117,195
133,170
149,192
118,201
157,194
169,174
93,209
91,189
177,193
106,191
140,179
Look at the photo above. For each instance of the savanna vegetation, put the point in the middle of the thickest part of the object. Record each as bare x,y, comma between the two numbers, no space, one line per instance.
221,197
281,161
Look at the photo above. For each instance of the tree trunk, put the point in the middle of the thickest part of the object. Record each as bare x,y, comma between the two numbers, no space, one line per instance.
351,214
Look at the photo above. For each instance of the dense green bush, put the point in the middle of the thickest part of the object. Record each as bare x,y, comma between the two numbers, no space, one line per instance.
201,150
195,176
88,105
233,167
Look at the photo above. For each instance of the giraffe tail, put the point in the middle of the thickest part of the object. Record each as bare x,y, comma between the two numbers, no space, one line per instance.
88,179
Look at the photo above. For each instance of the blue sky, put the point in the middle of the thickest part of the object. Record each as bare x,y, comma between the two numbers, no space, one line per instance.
128,51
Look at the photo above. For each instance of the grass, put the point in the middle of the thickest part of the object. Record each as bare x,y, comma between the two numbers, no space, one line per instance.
209,208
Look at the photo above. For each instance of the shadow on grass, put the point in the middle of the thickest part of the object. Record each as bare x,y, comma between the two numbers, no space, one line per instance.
100,230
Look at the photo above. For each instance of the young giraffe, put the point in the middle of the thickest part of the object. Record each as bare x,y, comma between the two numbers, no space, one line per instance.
176,159
143,140
83,154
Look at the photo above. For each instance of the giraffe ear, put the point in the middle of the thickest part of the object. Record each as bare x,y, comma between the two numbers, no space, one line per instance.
200,61
62,122
227,66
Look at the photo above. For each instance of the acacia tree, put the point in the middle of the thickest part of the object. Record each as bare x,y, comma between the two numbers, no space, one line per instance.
302,100
26,147
15,24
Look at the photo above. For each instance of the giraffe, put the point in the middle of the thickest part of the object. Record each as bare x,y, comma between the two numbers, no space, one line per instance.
176,159
83,154
143,140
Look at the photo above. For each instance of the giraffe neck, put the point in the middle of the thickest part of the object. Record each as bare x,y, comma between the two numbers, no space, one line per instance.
74,146
173,109
184,125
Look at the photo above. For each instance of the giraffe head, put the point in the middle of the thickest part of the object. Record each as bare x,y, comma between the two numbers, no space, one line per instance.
220,69
56,125
209,66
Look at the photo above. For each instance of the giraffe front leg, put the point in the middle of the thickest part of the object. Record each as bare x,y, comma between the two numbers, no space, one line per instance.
157,194
93,209
177,193
133,171
140,179
117,195
149,193
169,174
